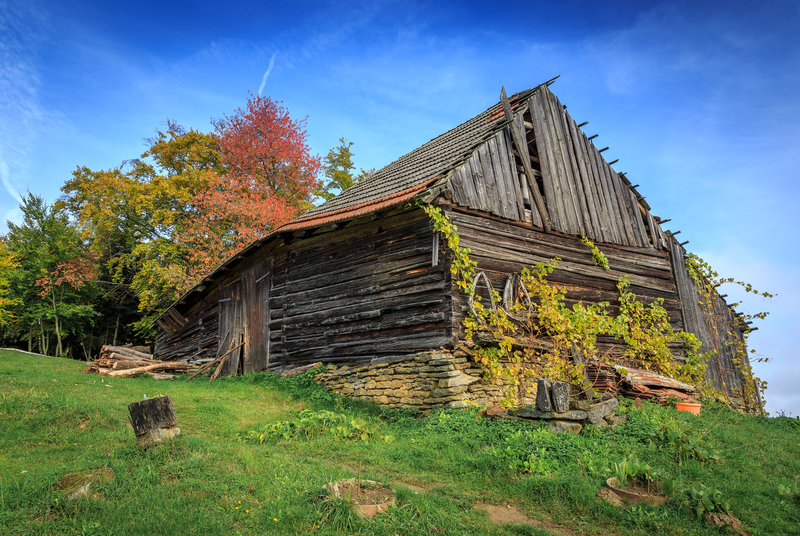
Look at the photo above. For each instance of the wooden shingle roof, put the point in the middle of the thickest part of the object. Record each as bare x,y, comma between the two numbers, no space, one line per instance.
429,161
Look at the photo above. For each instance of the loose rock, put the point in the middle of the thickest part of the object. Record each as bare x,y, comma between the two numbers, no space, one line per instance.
559,426
531,413
598,411
543,401
560,395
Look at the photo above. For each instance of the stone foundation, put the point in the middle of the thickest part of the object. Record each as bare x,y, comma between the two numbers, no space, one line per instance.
434,379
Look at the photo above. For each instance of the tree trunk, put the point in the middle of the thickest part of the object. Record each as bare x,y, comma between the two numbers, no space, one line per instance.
30,338
153,421
59,348
116,331
44,343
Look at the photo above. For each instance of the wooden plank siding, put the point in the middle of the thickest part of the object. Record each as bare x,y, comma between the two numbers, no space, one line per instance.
717,328
581,192
341,296
197,337
371,279
487,181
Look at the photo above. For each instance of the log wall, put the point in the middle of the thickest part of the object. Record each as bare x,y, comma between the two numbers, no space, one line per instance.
367,290
503,248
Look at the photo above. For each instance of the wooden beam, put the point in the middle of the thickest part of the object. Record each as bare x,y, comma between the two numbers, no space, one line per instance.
525,162
549,82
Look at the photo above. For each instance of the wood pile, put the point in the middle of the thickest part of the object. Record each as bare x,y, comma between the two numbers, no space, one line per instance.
636,384
128,362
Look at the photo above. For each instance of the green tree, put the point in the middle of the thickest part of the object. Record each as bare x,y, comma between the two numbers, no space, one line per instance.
8,267
51,284
338,170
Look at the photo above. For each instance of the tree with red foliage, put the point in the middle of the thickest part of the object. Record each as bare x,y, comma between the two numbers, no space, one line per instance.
269,178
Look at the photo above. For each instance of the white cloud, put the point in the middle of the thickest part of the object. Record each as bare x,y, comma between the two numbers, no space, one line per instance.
266,74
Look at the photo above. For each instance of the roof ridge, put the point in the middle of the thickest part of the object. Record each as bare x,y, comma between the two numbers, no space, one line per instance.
434,157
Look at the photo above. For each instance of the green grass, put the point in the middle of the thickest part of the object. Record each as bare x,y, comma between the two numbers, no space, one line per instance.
268,445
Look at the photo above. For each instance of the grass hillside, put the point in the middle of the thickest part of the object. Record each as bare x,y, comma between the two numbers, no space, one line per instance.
255,452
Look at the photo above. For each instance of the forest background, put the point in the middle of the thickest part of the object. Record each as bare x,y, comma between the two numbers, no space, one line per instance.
697,99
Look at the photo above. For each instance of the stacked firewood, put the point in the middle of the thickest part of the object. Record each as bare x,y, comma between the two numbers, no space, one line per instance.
127,362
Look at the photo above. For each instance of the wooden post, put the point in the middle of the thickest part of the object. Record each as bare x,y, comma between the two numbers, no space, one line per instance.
153,421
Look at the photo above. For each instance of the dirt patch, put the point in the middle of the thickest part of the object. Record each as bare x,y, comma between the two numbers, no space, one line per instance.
717,519
510,513
605,494
366,493
643,488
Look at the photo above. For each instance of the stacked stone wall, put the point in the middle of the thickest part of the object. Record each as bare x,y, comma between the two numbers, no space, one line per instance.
434,379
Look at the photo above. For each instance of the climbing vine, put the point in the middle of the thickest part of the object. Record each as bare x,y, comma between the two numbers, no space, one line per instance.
719,324
597,255
530,331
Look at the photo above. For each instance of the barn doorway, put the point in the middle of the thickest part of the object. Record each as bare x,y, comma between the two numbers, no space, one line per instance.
244,317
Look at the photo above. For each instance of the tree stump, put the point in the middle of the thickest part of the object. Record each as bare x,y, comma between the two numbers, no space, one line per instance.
153,421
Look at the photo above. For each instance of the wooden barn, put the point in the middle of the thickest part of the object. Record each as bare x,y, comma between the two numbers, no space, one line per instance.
362,282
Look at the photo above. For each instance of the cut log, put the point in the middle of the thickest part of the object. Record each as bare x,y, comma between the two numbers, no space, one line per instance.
126,351
127,365
116,355
139,370
153,421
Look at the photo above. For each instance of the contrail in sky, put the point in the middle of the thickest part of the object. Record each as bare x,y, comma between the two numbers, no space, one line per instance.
269,70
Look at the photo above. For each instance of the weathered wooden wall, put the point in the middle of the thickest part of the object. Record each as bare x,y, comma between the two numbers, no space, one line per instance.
214,313
379,285
718,329
489,181
582,193
198,336
367,290
502,248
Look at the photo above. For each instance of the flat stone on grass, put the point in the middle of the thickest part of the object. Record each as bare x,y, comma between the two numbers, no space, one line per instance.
559,427
78,483
531,413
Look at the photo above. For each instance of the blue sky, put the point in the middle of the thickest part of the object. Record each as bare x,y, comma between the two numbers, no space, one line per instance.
698,100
